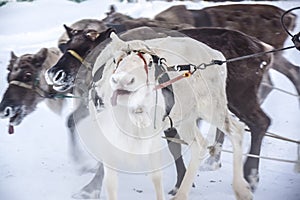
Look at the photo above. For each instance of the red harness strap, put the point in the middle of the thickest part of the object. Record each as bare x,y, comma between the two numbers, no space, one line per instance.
145,64
166,84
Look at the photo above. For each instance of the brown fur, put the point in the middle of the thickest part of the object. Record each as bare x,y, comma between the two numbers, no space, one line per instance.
258,20
241,86
84,24
264,22
243,80
244,77
28,69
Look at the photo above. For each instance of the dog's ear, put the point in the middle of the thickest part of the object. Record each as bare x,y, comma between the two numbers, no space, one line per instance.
70,31
106,34
40,57
92,34
13,59
112,10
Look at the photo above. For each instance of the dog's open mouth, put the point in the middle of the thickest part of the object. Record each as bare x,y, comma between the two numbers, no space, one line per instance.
14,121
62,87
116,94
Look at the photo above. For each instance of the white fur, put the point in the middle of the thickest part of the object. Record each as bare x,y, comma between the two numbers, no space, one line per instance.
53,55
200,96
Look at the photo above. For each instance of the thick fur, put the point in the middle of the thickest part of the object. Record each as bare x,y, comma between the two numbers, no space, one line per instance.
243,79
201,96
29,68
257,20
84,24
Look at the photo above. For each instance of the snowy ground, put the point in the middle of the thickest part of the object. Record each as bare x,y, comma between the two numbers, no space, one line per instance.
35,162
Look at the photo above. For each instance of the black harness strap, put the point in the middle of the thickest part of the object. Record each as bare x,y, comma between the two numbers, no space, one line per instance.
296,40
34,88
167,91
98,74
39,90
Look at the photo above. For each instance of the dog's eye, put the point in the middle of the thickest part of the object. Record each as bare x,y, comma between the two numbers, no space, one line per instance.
74,32
27,76
150,64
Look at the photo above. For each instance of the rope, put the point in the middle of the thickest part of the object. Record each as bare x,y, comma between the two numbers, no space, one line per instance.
220,62
203,66
269,134
180,141
273,135
264,157
281,90
63,96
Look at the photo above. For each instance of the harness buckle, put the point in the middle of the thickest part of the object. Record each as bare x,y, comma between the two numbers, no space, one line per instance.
296,40
188,74
162,62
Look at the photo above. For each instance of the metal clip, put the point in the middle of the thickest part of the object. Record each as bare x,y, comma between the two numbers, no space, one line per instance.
202,66
160,61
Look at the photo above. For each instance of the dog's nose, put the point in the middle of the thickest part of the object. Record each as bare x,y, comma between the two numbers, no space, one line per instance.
122,79
59,76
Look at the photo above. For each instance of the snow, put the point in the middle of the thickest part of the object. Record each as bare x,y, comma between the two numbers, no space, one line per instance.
35,162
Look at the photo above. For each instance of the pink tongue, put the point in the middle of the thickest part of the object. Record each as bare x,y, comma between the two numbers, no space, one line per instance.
113,99
11,129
